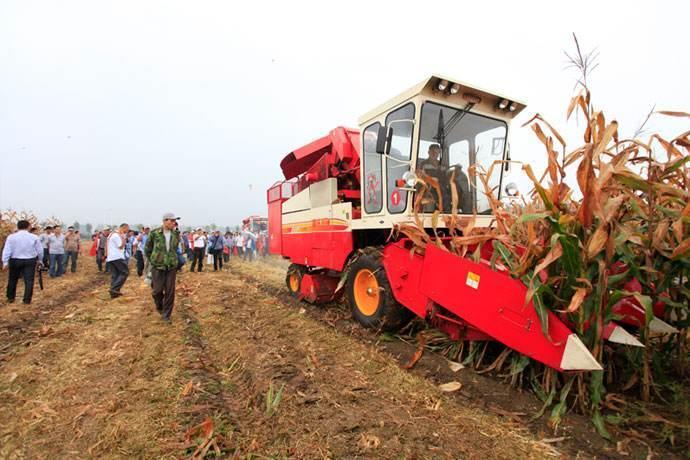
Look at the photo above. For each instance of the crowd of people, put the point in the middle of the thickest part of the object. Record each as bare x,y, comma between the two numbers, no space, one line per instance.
217,248
59,249
199,248
159,255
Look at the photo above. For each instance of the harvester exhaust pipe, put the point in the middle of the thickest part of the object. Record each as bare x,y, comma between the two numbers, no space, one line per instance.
577,357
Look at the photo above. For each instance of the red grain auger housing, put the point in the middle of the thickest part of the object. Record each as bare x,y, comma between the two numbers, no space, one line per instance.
343,194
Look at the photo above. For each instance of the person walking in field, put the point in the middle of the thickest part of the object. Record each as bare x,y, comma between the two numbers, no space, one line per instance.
229,244
161,251
56,250
180,249
129,245
260,245
100,251
115,258
216,244
249,245
239,242
207,253
185,246
22,251
94,244
199,244
72,247
45,237
140,244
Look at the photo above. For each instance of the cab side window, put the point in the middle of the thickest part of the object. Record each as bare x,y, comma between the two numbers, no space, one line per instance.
372,181
401,121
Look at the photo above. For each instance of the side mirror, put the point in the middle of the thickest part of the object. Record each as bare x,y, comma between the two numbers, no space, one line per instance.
383,140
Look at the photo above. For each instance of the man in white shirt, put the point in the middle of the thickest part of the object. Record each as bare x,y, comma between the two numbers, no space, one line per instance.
56,250
240,245
199,244
115,258
45,237
21,253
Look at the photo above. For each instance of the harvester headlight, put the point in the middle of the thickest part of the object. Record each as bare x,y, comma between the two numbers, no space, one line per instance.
442,85
410,178
512,107
503,104
455,88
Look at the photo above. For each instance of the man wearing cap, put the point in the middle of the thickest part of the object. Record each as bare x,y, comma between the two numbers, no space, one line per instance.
161,252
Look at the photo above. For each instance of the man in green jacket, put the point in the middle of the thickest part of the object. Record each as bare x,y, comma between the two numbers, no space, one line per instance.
161,251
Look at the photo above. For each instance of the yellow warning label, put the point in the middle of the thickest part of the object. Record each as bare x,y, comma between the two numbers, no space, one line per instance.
472,280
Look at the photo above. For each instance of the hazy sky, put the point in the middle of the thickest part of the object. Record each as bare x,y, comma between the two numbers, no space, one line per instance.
123,110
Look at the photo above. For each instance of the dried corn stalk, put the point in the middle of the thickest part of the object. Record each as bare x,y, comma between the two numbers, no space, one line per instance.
631,208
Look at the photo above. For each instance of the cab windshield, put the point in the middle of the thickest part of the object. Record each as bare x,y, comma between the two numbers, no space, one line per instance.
450,142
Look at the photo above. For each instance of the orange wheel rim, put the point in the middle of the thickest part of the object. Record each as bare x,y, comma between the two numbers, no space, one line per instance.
294,282
366,291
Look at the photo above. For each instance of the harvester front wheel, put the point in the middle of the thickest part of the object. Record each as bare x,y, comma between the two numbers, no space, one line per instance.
293,279
370,296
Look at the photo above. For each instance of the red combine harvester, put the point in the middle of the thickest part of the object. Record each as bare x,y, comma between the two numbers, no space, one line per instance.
342,195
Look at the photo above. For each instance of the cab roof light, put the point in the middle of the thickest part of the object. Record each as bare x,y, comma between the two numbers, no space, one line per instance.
455,88
442,85
512,106
503,104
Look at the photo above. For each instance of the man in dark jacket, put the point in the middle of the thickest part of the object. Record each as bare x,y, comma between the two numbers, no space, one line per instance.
161,251
100,251
216,243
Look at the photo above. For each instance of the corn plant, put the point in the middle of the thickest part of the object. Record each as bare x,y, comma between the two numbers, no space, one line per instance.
8,222
273,398
630,210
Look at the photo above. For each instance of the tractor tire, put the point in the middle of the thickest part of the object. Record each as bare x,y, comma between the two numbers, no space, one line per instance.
293,279
370,295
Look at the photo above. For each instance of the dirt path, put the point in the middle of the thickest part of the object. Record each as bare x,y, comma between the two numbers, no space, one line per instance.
340,397
102,379
84,376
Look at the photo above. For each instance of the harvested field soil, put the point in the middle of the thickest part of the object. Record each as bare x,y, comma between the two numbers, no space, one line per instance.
242,371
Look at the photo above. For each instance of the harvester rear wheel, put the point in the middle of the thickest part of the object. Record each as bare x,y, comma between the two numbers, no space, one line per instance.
293,279
370,296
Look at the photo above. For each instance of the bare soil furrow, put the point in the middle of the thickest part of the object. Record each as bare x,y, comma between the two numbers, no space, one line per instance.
339,397
30,323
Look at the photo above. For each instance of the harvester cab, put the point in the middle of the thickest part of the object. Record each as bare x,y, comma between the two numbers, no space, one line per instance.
440,129
344,194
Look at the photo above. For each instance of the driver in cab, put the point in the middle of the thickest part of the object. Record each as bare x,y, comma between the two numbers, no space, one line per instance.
432,166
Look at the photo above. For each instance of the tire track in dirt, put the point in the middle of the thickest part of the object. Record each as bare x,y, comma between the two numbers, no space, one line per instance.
29,323
479,391
204,394
341,398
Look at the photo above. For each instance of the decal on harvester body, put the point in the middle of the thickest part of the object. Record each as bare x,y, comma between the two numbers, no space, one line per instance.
316,226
